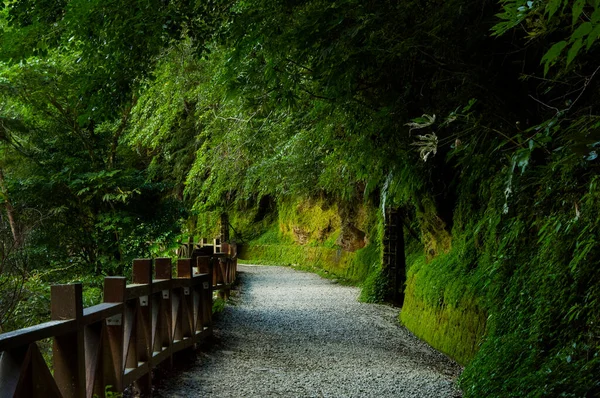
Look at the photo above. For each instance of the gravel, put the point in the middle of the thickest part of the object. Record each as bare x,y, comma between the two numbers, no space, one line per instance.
295,334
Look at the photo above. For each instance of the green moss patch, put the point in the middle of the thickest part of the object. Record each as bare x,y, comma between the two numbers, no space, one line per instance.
335,261
456,330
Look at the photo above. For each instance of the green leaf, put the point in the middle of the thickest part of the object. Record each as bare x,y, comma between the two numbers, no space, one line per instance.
552,7
595,18
592,37
577,10
521,159
550,57
574,50
583,30
468,107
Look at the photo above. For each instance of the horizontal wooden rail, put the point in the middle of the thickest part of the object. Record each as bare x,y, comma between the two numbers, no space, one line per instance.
119,342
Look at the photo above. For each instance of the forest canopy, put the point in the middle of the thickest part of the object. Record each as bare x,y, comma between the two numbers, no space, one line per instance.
121,121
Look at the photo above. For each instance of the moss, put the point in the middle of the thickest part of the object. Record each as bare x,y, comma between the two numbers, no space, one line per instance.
308,221
434,234
456,330
206,226
334,261
375,288
318,251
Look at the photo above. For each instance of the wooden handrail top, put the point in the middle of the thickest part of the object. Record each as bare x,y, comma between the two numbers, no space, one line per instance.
136,290
21,337
97,313
161,284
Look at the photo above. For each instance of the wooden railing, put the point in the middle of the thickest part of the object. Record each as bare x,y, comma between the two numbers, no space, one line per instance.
119,342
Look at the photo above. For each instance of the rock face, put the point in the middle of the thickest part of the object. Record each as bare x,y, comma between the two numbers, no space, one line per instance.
301,236
351,238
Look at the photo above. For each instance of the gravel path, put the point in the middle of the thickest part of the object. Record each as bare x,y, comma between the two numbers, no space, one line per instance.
294,334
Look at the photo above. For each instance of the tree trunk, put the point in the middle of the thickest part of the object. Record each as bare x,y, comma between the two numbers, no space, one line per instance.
10,211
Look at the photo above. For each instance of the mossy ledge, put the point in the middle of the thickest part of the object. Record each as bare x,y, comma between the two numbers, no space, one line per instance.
455,330
335,261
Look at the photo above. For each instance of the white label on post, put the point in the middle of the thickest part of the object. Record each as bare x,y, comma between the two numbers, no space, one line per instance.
143,301
205,285
165,294
186,291
114,320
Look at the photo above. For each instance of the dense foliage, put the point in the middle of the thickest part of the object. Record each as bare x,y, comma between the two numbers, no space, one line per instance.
121,122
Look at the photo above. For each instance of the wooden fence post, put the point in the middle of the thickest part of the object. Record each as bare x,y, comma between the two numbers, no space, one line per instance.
205,266
68,350
225,267
162,311
142,274
113,352
183,323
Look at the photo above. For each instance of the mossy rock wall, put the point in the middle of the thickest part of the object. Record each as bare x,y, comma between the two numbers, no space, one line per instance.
304,233
455,330
334,261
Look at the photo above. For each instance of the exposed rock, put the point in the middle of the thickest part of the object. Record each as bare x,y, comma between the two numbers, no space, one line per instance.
300,235
351,238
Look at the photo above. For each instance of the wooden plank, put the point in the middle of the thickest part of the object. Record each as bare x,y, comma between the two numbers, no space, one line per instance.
160,356
165,319
35,380
176,318
133,374
112,357
68,350
186,308
225,248
100,312
144,331
207,295
202,335
155,330
66,301
129,343
137,290
222,287
163,284
113,352
26,336
197,308
179,345
184,268
114,289
93,360
203,265
163,268
142,271
180,283
11,363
